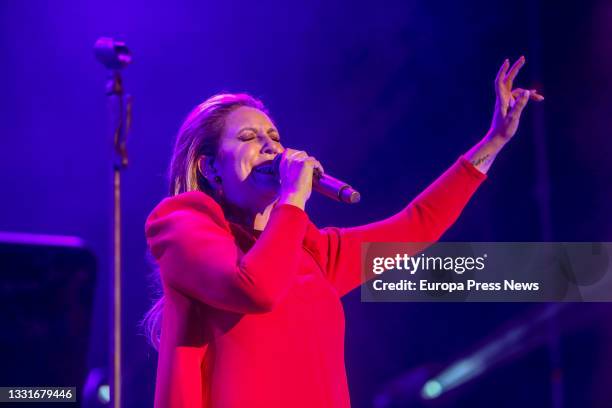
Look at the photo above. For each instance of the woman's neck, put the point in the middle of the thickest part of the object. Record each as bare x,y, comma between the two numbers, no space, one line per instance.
257,219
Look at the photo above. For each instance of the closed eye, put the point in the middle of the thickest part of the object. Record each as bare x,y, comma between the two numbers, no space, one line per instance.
246,136
274,135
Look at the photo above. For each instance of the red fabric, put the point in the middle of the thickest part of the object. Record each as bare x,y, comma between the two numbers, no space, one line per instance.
255,319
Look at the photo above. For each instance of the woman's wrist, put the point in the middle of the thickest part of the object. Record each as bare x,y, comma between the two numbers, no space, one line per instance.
484,152
292,199
496,141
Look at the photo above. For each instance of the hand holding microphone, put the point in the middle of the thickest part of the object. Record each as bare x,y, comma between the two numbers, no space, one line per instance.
299,174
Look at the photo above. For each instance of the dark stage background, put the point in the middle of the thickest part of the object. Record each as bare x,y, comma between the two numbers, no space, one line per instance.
386,94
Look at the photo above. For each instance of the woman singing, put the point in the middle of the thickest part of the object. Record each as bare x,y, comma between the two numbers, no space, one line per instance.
251,313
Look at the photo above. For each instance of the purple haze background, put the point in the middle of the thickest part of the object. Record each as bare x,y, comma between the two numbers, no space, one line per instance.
387,95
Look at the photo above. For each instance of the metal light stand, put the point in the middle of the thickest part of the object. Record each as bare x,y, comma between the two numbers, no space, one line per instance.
115,56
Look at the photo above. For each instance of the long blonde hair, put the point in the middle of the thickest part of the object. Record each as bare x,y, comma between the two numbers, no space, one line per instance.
199,135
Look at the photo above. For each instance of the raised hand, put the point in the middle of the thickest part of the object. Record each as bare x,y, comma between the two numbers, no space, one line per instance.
509,103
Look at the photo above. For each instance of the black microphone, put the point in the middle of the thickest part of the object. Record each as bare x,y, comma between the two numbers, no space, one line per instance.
114,55
327,185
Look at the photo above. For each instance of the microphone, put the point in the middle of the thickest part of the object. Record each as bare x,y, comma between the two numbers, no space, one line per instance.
114,55
327,185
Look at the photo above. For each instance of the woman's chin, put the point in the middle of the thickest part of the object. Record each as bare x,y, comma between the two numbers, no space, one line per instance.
265,182
264,188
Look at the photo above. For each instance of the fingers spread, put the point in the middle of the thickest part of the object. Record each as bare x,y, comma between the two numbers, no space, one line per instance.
502,73
516,67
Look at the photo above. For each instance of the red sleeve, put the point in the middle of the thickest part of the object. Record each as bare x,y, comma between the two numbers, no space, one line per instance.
198,256
424,220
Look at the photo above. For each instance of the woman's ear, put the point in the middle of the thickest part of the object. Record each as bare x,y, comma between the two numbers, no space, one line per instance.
202,166
206,168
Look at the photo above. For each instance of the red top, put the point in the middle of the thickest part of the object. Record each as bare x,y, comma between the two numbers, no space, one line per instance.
255,319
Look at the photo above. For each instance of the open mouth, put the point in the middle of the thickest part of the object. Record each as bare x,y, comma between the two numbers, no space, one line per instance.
266,167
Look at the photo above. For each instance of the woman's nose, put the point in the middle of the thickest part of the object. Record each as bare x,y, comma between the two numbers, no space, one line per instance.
272,147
